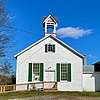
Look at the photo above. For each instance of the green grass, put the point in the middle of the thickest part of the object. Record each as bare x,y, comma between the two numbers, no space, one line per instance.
33,93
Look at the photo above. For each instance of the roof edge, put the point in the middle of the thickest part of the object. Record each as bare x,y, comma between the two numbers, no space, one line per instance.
59,41
15,56
53,17
70,48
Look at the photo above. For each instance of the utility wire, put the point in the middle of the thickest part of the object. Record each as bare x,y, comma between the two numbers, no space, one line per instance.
35,53
17,29
22,31
30,33
32,54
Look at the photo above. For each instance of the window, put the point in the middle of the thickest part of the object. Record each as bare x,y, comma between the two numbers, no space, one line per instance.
50,29
49,48
36,71
64,71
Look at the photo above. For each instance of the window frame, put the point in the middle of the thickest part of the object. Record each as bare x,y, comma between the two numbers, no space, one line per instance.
34,73
63,72
50,48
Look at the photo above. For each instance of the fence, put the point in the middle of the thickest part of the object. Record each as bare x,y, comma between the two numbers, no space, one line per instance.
29,86
7,88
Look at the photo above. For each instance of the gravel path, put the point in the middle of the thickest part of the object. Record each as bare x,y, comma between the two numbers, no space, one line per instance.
58,97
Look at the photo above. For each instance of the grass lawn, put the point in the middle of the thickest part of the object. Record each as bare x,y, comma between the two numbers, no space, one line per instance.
33,93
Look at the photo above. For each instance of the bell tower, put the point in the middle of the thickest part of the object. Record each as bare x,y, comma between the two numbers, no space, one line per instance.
50,24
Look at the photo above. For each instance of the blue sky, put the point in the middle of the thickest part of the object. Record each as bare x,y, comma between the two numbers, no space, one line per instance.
78,16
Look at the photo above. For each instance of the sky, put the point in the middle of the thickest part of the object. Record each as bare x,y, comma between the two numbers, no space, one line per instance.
78,24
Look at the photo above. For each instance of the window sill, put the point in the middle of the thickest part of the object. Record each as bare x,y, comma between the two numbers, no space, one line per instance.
64,81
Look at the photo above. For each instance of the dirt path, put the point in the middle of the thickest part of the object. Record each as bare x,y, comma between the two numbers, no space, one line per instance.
58,97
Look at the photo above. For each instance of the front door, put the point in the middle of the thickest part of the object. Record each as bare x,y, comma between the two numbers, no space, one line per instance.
50,76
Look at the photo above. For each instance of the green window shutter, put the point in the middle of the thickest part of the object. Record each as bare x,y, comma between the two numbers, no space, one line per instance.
58,71
53,48
30,72
69,72
45,47
41,71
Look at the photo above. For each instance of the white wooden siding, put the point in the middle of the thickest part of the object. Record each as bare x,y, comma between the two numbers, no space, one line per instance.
37,55
91,82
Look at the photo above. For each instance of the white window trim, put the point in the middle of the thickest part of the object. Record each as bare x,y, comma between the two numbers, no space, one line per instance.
52,48
48,47
60,73
33,76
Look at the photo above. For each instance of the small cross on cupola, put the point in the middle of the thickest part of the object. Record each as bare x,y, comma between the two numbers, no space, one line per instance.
50,24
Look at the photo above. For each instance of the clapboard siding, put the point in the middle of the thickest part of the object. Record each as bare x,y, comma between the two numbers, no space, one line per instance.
37,54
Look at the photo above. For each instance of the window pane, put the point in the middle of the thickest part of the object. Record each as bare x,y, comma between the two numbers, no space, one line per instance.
36,69
63,71
49,47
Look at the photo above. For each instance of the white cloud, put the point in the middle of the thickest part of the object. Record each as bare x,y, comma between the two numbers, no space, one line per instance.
91,56
73,32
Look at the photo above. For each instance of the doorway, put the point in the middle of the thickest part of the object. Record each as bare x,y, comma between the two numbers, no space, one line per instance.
50,76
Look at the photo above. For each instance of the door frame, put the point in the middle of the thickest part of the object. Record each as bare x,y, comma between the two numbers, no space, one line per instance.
49,72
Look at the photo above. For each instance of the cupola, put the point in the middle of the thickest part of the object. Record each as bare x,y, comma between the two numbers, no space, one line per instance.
50,24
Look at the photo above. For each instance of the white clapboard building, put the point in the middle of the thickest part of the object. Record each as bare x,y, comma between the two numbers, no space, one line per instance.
51,60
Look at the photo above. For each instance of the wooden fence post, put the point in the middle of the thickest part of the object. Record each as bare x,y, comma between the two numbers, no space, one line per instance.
43,86
3,89
14,87
28,87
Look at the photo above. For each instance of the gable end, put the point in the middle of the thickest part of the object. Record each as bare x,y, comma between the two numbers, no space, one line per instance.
55,39
68,47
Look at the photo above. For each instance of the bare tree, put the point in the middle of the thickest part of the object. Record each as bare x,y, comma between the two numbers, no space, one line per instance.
5,42
5,37
5,68
6,72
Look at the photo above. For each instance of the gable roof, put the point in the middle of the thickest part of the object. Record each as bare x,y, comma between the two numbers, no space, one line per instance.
97,63
57,40
44,18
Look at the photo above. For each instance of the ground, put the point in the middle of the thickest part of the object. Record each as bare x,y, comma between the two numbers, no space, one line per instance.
58,98
51,96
